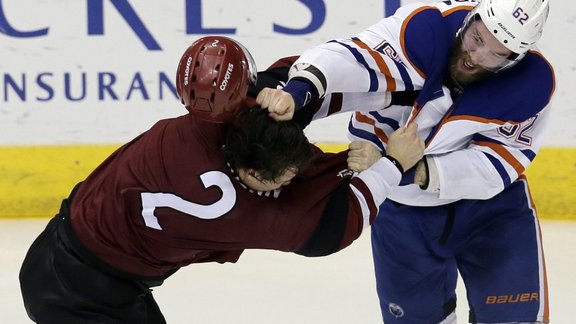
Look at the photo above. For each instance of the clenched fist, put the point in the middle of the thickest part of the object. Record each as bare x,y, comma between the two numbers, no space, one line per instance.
405,146
362,155
280,104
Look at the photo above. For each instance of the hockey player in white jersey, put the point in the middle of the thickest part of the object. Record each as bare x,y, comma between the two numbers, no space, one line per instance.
484,97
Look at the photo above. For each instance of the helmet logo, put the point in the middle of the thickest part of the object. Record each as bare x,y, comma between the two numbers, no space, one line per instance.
506,30
520,15
215,43
227,76
187,70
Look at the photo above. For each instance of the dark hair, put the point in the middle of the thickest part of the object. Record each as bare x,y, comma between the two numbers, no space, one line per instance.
256,141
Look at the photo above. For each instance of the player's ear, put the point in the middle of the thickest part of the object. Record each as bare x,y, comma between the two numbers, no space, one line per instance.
244,173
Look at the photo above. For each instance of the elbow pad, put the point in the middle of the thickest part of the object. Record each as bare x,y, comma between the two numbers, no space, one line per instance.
311,74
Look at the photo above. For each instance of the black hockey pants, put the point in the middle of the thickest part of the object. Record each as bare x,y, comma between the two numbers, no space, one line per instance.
59,286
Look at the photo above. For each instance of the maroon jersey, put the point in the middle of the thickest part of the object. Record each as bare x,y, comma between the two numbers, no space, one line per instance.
167,199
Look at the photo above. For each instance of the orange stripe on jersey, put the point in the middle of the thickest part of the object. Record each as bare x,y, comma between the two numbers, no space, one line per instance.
364,119
546,314
448,12
507,156
407,20
477,119
449,118
390,81
442,122
416,107
403,39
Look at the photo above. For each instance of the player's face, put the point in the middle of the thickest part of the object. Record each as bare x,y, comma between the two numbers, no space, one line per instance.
476,54
253,180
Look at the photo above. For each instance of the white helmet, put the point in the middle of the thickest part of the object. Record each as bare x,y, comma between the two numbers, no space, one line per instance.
517,24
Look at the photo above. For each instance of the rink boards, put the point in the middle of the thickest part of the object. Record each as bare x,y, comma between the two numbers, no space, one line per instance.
34,179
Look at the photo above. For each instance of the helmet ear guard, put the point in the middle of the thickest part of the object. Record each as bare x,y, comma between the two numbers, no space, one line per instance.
213,77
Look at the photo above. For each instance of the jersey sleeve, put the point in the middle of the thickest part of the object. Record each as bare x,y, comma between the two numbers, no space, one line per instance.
376,59
351,65
493,160
399,54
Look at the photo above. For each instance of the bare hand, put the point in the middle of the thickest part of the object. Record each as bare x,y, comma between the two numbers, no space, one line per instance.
405,146
280,104
421,174
362,155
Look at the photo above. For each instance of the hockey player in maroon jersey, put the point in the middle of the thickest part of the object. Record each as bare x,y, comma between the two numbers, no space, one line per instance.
202,187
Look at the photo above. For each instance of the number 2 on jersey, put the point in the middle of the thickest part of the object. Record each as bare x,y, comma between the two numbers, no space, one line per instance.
153,200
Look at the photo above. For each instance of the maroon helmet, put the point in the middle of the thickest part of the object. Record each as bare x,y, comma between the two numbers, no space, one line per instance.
213,77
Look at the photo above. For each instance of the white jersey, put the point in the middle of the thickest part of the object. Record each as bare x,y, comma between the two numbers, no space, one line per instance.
477,141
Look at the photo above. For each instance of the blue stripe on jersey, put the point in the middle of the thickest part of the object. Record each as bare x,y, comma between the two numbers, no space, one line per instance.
500,168
408,86
373,78
385,120
371,137
529,154
482,138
